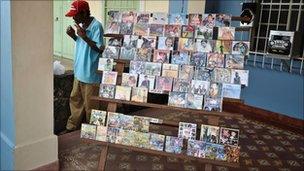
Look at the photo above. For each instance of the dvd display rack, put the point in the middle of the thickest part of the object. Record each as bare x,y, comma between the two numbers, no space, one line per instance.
112,104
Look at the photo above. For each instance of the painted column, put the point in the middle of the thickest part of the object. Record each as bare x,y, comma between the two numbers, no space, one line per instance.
30,141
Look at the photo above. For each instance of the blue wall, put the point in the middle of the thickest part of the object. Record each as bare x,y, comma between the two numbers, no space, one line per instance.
178,6
268,89
6,101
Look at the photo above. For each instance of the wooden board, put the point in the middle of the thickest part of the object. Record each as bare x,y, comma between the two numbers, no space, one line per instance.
162,106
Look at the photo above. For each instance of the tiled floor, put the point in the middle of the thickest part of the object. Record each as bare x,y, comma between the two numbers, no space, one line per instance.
263,147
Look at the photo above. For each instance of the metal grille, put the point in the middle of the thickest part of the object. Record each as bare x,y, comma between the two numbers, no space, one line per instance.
275,15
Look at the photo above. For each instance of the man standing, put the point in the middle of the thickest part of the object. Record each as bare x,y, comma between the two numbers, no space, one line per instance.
88,48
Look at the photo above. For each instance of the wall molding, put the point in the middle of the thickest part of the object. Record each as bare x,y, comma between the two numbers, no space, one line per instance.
273,118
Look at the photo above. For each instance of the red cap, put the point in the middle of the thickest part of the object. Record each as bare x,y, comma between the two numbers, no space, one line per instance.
76,7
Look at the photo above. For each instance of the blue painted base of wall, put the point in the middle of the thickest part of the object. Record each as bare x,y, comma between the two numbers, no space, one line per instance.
275,91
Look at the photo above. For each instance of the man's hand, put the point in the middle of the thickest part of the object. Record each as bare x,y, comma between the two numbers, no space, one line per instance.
71,32
80,31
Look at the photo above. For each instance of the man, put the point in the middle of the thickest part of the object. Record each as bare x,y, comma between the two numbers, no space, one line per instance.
88,47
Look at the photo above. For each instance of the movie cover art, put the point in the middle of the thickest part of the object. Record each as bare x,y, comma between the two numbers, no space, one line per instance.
101,133
187,130
113,119
222,75
125,137
170,70
186,72
221,154
185,44
130,41
109,77
187,31
213,104
180,57
211,151
177,99
107,91
127,53
215,90
195,19
161,56
200,87
141,124
163,83
112,28
232,91
165,43
232,153
128,17
139,94
223,46
178,19
174,145
240,47
195,101
159,18
114,16
210,133
235,61
112,133
88,131
148,42
137,67
203,74
198,59
196,148
203,32
226,33
123,93
143,54
156,30
202,45
129,79
111,52
215,60
141,140
98,117
126,122
105,64
172,30
157,142
209,20
146,81
222,20
152,68
229,136
239,77
114,41
181,85
126,28
143,18
141,29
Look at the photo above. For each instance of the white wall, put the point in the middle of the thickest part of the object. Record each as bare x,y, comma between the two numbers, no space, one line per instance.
32,50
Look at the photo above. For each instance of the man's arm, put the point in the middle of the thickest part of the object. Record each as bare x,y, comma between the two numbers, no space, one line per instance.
81,33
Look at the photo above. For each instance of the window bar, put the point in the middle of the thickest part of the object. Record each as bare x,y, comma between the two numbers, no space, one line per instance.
257,39
302,61
279,15
299,17
289,15
271,66
267,35
291,64
281,66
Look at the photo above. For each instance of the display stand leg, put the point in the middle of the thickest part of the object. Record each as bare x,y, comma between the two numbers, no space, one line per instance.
103,158
208,167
